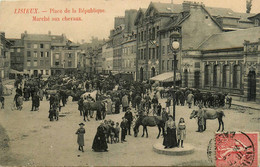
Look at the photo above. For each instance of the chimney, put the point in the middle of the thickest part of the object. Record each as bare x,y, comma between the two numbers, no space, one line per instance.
49,32
171,1
25,32
186,6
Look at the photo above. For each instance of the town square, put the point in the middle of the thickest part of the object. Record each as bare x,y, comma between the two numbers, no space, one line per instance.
159,89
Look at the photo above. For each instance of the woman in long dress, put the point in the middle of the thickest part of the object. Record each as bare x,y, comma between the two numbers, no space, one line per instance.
99,142
170,139
80,132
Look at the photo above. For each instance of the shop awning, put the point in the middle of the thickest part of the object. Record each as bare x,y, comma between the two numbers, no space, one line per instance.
15,72
166,77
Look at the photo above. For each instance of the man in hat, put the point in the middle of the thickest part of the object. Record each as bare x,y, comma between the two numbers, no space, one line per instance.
123,126
80,132
129,118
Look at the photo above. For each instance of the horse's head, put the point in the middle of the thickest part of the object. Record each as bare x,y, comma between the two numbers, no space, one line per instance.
193,114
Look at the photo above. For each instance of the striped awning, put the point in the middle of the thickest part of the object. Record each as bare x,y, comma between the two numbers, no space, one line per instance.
166,77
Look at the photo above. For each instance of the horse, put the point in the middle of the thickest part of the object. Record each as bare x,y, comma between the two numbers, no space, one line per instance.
210,114
89,107
149,121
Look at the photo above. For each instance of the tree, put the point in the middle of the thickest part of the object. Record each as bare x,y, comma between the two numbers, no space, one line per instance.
248,5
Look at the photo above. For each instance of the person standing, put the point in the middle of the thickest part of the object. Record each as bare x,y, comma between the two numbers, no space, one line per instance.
181,132
190,99
170,139
168,104
155,104
125,103
123,126
159,109
201,119
129,118
99,142
80,132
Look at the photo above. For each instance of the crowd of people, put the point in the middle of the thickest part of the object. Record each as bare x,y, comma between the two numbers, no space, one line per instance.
111,95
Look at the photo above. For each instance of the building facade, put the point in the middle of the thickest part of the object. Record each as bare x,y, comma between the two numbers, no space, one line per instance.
17,55
5,47
227,62
129,54
65,58
107,57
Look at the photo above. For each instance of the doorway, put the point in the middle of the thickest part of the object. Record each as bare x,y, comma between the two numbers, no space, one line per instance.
251,86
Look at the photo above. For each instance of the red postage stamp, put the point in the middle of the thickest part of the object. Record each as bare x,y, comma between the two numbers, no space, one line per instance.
236,149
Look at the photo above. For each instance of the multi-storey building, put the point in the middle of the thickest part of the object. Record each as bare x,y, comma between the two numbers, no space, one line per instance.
129,54
65,58
227,62
17,55
123,26
107,57
37,51
5,46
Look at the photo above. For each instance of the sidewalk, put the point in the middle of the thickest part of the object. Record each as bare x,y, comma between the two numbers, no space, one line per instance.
251,105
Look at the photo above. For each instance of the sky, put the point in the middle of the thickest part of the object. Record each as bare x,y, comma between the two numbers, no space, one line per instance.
13,22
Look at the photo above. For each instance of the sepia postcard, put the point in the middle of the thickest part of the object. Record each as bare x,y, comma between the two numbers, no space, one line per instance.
129,82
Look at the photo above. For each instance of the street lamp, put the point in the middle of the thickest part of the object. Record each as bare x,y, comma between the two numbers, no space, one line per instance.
175,46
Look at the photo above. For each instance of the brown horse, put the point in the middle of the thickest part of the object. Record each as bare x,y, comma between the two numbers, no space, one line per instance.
210,114
149,121
89,107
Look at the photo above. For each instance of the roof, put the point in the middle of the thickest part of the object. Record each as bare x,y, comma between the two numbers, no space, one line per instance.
232,39
16,42
37,37
166,77
166,7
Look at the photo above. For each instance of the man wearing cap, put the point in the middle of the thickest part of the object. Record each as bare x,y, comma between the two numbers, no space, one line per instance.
123,126
129,118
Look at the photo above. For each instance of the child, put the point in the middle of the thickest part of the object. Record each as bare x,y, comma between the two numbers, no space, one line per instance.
80,132
112,132
181,131
117,131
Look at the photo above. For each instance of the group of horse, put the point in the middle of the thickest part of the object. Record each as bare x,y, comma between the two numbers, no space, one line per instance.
152,121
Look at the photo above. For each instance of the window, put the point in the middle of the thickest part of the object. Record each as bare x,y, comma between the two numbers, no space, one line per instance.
150,52
168,65
162,65
70,55
28,63
28,45
142,35
18,59
35,54
141,55
206,75
35,46
215,75
41,63
168,48
28,54
41,45
57,63
163,50
47,72
145,53
42,54
236,76
153,53
224,74
42,72
46,54
69,63
18,50
157,52
197,64
35,63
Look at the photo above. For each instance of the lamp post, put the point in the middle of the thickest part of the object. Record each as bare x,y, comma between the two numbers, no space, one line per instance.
175,46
